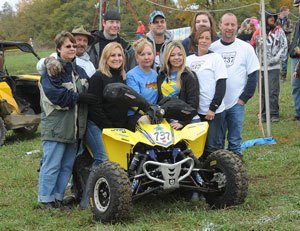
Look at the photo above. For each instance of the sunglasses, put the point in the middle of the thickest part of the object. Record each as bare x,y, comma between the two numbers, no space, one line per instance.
69,46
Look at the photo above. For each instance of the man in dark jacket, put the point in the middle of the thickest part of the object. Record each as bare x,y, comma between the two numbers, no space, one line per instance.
286,25
111,27
294,52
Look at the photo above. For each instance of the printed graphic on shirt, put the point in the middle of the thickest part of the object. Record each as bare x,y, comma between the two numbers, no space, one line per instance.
157,62
169,87
229,58
196,65
152,85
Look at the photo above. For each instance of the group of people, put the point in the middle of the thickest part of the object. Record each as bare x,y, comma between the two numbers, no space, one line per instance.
215,75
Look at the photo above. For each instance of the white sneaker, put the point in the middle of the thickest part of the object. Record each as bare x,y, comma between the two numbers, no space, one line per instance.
195,197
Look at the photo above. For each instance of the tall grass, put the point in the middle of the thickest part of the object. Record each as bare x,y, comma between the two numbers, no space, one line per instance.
273,202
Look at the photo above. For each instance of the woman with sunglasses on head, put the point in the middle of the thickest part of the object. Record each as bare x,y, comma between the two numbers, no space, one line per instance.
104,114
176,80
201,18
63,121
212,74
142,78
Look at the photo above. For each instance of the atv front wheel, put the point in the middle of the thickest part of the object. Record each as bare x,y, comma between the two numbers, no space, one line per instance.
110,192
2,131
30,129
229,179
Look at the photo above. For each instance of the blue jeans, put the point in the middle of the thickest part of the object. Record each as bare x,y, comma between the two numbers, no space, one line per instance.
274,90
93,138
214,139
56,169
295,87
234,121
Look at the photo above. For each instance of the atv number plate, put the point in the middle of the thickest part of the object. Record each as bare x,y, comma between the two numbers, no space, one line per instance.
162,138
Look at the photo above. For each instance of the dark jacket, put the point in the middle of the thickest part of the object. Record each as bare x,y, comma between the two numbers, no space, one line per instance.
105,114
295,41
62,118
287,26
95,50
189,91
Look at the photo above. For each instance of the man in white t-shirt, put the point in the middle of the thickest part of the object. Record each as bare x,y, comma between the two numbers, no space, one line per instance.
242,67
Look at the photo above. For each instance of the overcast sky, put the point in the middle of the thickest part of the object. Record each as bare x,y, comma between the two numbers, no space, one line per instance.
11,2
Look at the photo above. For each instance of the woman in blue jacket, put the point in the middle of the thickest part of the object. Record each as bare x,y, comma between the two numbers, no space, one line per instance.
63,122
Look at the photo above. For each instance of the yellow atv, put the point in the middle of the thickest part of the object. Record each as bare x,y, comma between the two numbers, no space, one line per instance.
19,96
157,159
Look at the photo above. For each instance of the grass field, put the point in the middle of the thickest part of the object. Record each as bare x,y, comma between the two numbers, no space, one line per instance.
273,201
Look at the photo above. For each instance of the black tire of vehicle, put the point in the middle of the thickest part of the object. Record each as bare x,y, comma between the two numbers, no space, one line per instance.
110,192
2,131
28,129
233,174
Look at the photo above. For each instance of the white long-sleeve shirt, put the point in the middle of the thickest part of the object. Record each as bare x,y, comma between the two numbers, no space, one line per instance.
82,61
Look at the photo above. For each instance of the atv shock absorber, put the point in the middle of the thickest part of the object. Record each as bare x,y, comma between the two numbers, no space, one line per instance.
134,163
137,164
143,159
189,153
196,175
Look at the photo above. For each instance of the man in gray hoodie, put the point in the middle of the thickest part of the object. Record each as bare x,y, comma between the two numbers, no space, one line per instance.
159,36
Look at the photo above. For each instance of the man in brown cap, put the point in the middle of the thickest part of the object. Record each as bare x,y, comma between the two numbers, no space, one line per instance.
83,40
110,33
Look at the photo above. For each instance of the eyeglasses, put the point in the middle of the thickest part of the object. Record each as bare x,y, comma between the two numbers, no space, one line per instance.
69,46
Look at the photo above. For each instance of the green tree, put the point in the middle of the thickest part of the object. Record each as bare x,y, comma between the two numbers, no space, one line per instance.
7,22
7,9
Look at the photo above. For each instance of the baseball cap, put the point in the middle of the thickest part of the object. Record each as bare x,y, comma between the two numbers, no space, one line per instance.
112,15
81,31
155,14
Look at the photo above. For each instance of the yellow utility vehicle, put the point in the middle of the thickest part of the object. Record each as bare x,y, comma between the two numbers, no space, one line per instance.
153,159
19,96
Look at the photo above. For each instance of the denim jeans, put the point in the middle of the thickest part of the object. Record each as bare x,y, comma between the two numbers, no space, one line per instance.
56,169
295,88
274,90
93,139
214,139
234,121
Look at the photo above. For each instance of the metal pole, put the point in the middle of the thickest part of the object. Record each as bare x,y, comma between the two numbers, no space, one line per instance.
266,76
119,6
100,14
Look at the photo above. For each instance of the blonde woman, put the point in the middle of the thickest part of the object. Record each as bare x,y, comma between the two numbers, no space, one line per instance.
142,78
176,80
105,114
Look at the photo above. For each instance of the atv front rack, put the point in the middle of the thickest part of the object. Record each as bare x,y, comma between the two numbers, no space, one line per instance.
170,172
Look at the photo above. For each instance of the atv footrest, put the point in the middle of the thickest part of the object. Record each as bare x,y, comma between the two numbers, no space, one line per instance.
17,121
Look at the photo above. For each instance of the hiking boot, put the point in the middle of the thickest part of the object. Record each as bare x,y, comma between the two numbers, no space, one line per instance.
60,205
46,206
296,118
69,200
195,197
274,119
283,77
